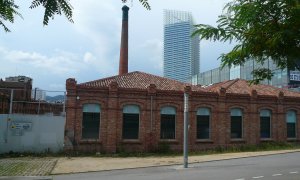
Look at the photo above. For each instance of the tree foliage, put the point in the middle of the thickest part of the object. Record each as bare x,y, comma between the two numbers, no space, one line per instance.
145,3
53,7
8,10
262,29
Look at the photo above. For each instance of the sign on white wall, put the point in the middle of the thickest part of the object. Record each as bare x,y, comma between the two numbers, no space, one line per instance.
18,127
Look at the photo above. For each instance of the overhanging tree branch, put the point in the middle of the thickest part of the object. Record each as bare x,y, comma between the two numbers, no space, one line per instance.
262,29
8,10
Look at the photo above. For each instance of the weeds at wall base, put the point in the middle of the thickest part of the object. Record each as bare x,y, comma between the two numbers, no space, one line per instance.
161,151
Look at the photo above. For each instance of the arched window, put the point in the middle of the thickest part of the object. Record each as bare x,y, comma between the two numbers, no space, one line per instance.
291,120
167,122
265,123
236,123
131,121
91,121
203,123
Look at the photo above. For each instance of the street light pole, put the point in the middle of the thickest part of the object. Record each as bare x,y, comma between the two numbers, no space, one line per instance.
9,115
11,101
186,124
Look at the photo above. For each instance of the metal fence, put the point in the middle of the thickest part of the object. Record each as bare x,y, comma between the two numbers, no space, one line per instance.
31,120
36,101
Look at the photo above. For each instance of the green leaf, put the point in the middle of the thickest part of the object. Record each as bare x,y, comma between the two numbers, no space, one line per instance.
8,11
262,29
54,7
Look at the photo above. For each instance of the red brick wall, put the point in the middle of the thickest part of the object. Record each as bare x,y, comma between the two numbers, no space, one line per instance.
113,99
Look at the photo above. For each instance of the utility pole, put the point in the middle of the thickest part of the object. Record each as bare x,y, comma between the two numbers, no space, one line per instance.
9,114
186,128
11,101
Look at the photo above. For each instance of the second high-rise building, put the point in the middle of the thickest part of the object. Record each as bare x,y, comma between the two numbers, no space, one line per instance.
181,51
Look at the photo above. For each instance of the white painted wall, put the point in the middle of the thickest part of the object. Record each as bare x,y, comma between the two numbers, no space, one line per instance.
46,133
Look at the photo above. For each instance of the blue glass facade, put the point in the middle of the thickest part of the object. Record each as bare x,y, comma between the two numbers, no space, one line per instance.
282,78
181,51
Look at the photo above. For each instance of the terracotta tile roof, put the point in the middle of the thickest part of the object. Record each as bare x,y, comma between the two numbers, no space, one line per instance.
141,80
239,86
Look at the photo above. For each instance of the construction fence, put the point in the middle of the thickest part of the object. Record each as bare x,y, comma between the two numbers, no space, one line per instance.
31,133
31,120
15,101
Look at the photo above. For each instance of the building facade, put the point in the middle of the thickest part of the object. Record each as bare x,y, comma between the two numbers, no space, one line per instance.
18,79
139,112
38,94
24,99
285,78
181,51
21,85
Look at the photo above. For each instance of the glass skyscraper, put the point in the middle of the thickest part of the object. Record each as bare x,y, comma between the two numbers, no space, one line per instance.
181,51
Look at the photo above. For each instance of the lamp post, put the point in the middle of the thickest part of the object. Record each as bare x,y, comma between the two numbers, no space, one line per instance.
185,136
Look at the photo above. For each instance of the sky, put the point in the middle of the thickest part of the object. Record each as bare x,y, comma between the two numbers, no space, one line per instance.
89,48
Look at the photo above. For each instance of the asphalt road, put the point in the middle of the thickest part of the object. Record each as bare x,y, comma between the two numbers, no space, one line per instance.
272,167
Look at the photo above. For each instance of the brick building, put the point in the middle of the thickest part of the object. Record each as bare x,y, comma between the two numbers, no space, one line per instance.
22,102
22,89
137,111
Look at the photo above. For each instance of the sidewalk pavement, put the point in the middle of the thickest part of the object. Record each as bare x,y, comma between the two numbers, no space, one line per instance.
40,168
26,166
90,164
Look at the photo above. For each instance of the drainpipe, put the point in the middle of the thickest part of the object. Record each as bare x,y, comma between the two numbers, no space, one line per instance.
151,114
64,105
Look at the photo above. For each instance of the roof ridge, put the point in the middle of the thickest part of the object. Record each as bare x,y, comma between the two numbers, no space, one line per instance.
165,78
143,80
233,82
110,77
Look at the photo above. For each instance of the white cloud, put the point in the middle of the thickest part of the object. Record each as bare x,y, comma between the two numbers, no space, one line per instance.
89,48
100,23
59,64
48,72
154,49
147,57
89,57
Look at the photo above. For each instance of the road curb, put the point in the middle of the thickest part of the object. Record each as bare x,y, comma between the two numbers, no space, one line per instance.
26,178
175,164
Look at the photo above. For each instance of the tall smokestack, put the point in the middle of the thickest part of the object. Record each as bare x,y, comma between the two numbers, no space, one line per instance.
123,66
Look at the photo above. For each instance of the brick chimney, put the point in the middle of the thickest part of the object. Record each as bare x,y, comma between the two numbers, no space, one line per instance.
123,66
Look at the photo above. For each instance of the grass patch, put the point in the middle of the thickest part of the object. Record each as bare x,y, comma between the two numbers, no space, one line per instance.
26,167
268,146
164,150
12,169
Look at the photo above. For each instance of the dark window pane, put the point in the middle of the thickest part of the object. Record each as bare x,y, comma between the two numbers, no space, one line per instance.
202,127
236,127
291,130
90,125
167,126
265,130
130,126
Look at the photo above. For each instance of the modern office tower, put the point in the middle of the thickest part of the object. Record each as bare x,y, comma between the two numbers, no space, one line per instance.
181,51
286,78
